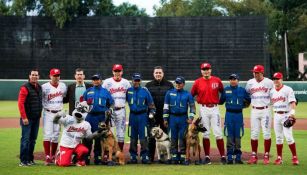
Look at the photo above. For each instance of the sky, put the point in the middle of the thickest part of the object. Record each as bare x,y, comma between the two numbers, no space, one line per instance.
146,4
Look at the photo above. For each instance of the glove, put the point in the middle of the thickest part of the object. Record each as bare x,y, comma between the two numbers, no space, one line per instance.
290,122
90,101
58,115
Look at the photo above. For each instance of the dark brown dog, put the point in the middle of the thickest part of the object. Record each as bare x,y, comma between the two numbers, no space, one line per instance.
110,145
192,139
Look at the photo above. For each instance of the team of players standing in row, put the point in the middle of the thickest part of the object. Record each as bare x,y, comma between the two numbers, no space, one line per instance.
162,105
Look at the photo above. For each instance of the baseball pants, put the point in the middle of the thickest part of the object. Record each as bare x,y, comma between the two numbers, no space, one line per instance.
281,131
261,118
64,156
51,131
119,124
211,119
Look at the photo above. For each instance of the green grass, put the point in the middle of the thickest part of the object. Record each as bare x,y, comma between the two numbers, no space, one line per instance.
9,147
9,109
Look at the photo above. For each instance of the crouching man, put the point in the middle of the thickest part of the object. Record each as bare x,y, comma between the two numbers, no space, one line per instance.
75,129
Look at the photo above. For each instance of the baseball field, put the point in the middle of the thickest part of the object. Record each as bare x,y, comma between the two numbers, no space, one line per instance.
10,141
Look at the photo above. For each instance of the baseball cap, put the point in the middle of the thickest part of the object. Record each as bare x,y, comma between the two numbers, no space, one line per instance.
278,75
96,77
258,68
234,76
117,67
136,76
205,66
55,71
179,80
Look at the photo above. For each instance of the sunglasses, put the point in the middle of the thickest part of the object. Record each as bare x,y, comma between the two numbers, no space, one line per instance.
205,69
117,70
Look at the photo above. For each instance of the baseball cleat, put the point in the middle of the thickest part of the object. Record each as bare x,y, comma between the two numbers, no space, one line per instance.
253,160
266,160
48,161
223,160
22,164
278,161
295,160
207,160
81,163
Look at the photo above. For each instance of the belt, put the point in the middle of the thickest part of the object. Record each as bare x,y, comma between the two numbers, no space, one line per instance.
138,112
260,108
52,111
281,112
118,108
209,105
234,110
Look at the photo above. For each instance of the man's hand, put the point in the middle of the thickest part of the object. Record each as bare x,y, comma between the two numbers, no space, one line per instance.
165,124
151,115
25,121
109,112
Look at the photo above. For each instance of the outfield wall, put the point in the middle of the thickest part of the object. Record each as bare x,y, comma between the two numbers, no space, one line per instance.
9,88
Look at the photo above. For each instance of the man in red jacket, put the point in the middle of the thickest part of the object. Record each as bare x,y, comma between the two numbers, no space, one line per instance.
207,89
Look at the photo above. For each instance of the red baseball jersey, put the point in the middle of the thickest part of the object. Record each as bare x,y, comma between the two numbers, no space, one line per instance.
207,90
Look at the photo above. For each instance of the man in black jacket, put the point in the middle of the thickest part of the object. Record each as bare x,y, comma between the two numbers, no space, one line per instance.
158,88
76,90
30,109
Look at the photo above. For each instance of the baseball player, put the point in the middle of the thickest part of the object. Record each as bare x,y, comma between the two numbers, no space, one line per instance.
207,89
259,89
175,114
53,93
140,103
236,99
102,103
117,86
284,103
75,129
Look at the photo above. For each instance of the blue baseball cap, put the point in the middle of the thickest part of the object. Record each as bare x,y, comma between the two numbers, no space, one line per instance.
234,76
96,77
136,76
180,80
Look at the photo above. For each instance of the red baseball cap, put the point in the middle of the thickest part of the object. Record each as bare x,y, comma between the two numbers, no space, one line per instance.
278,75
205,66
55,71
258,68
117,67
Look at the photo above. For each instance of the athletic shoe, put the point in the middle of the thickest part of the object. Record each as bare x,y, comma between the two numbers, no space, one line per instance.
266,160
132,160
81,163
253,160
207,160
278,161
30,163
295,160
22,164
238,161
223,160
48,161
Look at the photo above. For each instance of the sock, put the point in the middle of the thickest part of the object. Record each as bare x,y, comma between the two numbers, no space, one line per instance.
47,148
293,149
206,145
121,145
254,144
54,147
279,149
267,146
220,146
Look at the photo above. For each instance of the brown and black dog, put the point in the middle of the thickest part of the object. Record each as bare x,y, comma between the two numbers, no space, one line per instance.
192,139
109,145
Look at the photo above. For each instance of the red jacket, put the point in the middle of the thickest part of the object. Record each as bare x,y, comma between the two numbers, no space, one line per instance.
207,90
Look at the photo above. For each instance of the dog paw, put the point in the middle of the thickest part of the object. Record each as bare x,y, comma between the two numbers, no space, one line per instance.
111,163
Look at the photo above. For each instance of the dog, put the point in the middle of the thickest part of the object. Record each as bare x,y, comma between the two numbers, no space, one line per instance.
163,144
110,145
192,139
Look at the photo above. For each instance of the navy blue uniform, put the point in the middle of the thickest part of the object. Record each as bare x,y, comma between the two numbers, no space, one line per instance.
139,101
100,100
175,111
234,96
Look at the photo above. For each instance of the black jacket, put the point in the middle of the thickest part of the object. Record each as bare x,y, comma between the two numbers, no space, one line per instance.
70,96
158,91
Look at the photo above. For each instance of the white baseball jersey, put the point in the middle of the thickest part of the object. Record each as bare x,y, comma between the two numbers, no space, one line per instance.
282,98
53,96
73,131
259,91
117,90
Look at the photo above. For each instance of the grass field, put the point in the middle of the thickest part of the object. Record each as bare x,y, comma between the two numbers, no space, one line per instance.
9,109
10,141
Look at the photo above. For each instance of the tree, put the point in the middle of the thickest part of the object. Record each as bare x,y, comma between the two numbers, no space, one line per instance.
4,9
127,9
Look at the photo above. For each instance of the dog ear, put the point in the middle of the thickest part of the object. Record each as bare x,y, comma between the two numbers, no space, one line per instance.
196,122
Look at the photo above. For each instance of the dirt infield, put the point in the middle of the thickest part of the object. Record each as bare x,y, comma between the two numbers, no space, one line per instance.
301,124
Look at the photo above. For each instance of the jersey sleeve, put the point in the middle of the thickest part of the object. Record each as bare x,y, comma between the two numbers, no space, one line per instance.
247,87
291,96
221,86
88,131
166,106
194,88
23,93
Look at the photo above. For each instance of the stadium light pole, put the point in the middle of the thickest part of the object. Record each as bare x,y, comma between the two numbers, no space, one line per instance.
286,54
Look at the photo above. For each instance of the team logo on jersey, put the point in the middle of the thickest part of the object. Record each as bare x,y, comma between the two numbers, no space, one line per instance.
215,85
259,89
280,98
52,96
119,89
74,129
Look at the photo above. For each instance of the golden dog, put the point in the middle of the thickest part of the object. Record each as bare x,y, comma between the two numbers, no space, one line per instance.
110,145
192,139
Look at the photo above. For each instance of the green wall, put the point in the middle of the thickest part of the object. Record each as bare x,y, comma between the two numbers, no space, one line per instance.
9,88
